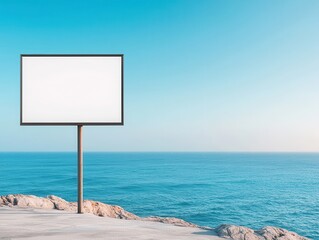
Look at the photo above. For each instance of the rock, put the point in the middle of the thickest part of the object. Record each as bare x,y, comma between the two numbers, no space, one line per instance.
61,204
54,202
21,200
170,220
236,232
267,233
270,233
105,210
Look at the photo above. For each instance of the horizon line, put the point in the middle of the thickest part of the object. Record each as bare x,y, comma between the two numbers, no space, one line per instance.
177,151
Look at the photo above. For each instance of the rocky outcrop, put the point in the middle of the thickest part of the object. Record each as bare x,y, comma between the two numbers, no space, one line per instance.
270,233
54,202
236,232
96,208
266,233
170,220
26,201
106,210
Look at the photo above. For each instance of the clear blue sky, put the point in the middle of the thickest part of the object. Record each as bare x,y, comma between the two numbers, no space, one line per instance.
199,75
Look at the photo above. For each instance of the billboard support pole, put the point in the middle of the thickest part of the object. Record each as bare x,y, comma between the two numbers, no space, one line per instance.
80,170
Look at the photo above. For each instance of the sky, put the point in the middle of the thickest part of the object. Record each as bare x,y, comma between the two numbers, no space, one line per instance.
215,75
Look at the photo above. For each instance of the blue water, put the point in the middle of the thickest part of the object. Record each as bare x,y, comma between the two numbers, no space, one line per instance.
204,188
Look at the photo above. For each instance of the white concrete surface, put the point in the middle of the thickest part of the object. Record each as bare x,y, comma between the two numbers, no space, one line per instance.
27,223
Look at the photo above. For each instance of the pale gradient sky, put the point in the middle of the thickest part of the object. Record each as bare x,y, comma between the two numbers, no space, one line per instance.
199,75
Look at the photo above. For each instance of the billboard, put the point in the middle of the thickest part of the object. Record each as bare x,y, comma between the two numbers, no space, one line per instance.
71,89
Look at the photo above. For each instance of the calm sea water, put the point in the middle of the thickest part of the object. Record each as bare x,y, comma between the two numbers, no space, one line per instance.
204,188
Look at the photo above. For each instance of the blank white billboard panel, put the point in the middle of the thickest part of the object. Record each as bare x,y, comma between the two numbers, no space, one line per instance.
71,89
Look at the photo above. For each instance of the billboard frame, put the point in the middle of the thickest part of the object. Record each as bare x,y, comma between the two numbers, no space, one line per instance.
71,123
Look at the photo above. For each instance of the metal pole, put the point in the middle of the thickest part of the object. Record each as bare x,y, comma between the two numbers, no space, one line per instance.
80,170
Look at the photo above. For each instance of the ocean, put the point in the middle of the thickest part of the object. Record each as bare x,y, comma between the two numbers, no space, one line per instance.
250,189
